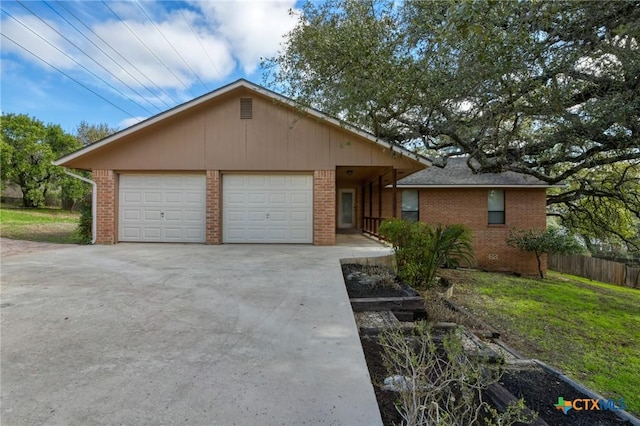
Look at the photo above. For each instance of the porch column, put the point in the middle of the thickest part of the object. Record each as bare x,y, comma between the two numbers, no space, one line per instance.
324,207
364,198
394,178
379,196
371,199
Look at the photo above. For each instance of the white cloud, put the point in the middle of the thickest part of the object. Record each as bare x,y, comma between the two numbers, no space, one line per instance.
253,29
36,37
128,122
226,33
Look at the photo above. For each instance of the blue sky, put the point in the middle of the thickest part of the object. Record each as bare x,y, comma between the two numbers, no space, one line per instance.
121,62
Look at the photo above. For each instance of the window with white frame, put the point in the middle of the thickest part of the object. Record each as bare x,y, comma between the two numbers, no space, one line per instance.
496,207
410,205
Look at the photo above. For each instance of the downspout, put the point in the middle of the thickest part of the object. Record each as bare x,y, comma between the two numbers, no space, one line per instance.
94,202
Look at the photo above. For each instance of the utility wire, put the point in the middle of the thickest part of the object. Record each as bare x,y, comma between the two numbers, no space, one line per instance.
124,59
76,62
148,49
112,60
67,75
170,44
195,35
94,61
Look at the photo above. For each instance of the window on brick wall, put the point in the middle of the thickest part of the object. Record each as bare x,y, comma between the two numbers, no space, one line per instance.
410,205
496,207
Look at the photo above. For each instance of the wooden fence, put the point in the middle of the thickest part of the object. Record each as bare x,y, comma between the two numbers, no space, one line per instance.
596,269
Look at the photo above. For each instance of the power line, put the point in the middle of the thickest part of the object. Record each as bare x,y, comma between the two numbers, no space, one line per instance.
113,60
67,75
170,44
94,61
206,52
148,49
76,62
123,58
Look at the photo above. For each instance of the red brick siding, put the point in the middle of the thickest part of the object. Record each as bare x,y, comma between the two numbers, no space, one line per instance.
106,208
324,207
214,224
524,209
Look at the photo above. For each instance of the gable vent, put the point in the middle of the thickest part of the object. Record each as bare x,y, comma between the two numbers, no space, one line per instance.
246,108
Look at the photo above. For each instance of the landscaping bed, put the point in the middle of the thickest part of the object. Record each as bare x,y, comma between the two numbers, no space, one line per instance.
540,391
539,388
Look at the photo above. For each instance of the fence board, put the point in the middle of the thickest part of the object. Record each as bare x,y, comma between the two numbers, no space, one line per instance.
596,269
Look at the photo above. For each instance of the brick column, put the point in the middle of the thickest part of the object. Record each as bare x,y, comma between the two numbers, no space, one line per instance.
324,207
106,208
214,231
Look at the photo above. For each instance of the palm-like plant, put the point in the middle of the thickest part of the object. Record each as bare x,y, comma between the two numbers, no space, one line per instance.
420,249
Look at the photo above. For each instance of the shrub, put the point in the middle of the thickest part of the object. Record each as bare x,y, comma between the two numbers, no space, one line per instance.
420,249
440,384
84,228
541,242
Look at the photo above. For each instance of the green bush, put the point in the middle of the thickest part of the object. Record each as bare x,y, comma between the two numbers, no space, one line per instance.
84,228
543,241
420,248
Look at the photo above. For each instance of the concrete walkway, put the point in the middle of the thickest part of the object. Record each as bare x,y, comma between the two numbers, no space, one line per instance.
182,334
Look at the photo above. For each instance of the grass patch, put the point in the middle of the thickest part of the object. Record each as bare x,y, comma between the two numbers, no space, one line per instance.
590,330
43,225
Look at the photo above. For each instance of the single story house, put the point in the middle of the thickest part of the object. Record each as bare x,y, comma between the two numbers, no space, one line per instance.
243,164
490,204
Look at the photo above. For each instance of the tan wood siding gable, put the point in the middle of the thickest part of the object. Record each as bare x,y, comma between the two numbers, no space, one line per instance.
211,136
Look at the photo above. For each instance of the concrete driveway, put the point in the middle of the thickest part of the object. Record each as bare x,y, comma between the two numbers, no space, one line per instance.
182,334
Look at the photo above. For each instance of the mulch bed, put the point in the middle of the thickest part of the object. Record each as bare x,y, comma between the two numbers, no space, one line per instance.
372,281
386,398
539,388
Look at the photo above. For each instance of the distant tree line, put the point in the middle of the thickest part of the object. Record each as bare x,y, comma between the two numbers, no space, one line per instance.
27,149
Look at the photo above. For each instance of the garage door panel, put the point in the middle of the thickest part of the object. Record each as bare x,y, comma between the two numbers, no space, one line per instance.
278,216
132,214
152,215
132,232
173,198
174,216
255,216
151,232
162,208
132,196
299,216
152,197
267,208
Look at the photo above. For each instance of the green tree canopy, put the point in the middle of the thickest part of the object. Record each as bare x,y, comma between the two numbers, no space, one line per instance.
28,147
539,242
549,89
89,133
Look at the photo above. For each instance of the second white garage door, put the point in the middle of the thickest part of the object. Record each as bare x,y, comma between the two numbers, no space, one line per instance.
267,209
162,208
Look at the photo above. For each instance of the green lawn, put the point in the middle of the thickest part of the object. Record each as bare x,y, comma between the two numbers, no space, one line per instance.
588,329
44,225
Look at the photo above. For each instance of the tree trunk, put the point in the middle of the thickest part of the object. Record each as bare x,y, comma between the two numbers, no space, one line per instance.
539,265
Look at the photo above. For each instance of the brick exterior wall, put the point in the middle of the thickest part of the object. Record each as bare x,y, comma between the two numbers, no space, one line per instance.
324,207
214,223
524,209
106,208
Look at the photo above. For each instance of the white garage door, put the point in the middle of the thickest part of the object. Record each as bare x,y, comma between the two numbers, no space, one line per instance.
162,208
267,209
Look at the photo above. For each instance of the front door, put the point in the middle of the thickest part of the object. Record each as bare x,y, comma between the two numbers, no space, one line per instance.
346,208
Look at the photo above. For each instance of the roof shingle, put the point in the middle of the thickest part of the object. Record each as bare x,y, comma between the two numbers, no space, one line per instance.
457,173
